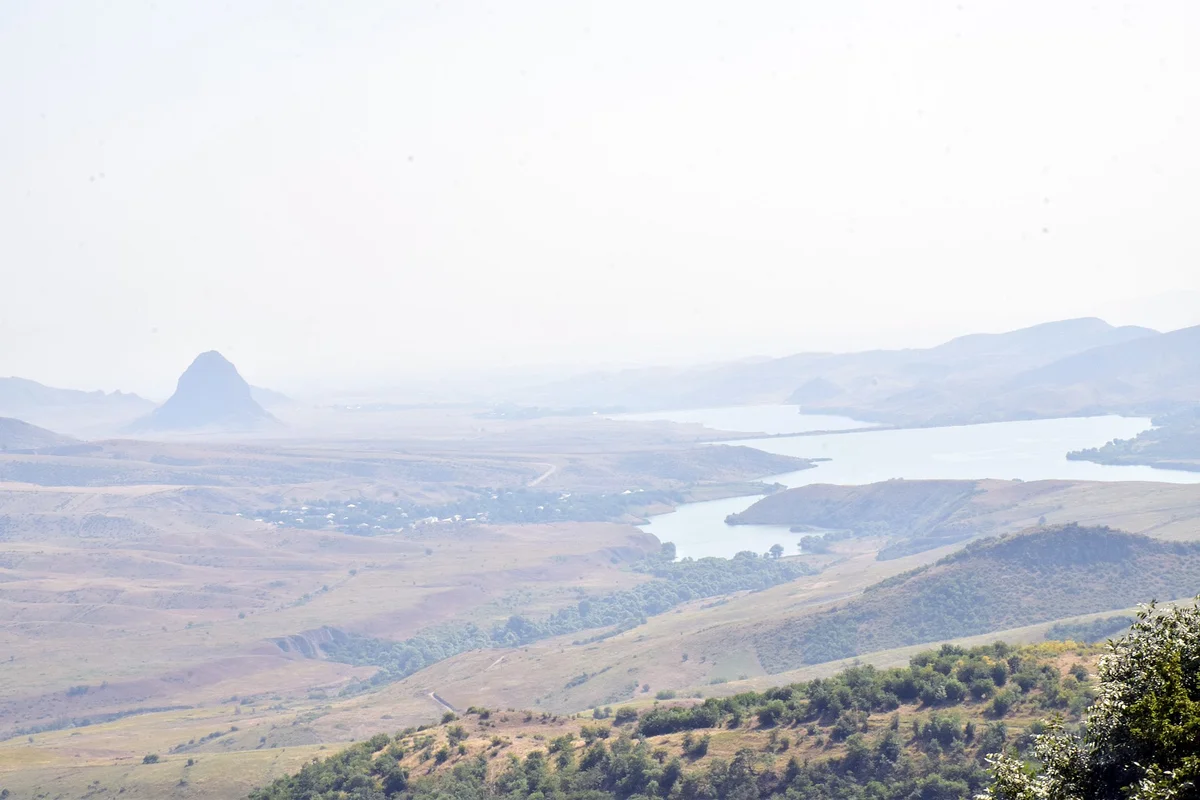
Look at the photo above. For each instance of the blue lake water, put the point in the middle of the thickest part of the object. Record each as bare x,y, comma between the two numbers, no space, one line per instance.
1028,450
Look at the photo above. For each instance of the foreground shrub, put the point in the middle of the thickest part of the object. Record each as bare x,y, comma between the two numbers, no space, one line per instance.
1142,738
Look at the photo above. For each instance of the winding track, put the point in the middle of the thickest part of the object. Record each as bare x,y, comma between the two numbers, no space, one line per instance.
544,475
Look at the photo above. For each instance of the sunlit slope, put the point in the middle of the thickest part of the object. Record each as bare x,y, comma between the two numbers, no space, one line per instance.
918,515
991,585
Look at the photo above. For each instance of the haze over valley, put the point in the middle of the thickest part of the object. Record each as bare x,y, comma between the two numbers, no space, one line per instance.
257,586
600,401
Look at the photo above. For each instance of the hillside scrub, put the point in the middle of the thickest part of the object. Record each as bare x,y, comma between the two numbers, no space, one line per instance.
992,584
1142,739
935,680
832,739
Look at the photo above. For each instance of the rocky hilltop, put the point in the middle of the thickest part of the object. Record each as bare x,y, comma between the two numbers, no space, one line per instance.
211,395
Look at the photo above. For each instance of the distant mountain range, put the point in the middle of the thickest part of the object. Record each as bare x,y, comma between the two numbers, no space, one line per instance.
97,413
1071,367
1149,374
68,409
269,398
1066,368
211,396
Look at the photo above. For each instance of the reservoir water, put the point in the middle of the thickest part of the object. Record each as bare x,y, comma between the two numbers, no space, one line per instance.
1028,450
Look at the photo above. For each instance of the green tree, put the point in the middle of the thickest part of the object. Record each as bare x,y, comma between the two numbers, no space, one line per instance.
625,714
1142,738
776,550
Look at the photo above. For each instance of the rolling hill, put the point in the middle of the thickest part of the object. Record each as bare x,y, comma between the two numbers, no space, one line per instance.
858,731
994,584
1149,375
930,512
913,731
18,436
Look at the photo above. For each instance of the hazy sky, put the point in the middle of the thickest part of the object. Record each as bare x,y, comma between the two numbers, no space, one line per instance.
366,192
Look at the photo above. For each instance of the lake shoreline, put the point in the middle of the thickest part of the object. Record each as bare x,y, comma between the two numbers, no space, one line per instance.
1026,450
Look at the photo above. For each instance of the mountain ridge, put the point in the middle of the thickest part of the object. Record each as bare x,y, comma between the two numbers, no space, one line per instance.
953,382
73,411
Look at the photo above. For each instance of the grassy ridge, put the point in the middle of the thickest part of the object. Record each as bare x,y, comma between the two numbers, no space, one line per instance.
990,585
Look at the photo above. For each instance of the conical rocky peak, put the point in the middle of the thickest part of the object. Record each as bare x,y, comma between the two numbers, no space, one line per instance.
210,395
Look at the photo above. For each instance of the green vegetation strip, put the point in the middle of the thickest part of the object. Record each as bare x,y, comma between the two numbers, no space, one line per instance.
1096,630
674,582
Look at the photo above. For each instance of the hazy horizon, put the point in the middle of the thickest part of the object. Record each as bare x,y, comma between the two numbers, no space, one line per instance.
490,384
453,188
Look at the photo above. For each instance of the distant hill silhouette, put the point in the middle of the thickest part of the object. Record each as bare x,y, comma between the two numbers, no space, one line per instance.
1043,342
269,398
78,412
1153,373
211,395
17,436
963,380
